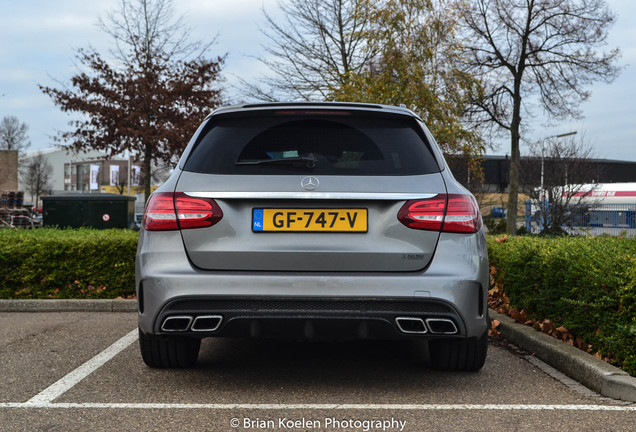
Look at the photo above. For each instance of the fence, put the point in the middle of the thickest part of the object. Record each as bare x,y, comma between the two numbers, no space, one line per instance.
11,199
588,219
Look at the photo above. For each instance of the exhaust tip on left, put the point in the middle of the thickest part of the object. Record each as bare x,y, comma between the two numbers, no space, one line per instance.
178,323
411,325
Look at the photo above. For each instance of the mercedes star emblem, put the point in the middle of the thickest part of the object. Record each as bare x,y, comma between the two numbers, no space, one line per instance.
309,183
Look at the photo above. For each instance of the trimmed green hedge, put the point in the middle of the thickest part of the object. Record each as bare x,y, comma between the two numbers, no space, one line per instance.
53,263
587,285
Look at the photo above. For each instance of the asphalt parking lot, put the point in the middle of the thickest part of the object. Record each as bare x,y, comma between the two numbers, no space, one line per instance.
79,371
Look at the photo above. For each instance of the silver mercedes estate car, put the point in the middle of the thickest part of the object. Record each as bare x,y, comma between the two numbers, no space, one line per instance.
312,220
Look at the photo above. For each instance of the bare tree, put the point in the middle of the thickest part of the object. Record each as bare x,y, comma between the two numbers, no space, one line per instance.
152,98
548,48
37,176
561,182
314,47
417,63
13,134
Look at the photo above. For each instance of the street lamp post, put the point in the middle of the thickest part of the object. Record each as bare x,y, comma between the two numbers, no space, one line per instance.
544,203
543,150
128,174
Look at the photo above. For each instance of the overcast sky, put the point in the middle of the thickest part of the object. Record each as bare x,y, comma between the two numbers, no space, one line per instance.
39,38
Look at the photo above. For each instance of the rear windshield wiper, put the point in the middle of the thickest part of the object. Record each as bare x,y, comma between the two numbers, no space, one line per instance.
309,162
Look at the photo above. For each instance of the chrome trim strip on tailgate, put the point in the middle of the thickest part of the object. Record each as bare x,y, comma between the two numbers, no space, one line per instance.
313,195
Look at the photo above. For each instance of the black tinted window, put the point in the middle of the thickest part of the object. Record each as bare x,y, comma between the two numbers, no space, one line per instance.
336,145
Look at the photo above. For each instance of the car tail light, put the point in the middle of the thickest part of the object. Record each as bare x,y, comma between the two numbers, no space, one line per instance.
167,211
159,214
448,213
462,214
424,214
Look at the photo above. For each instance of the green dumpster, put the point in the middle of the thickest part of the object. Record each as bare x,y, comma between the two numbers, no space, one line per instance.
99,211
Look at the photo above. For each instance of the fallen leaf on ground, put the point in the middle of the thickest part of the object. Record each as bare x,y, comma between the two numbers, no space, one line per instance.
547,326
515,315
492,331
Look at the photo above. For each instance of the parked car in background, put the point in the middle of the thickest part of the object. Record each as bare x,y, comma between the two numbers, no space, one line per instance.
312,220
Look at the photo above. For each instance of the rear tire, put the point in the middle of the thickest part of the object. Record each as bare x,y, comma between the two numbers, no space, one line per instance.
459,354
169,351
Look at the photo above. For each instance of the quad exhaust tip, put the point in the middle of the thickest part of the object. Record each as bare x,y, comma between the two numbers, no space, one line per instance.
184,323
177,323
415,325
411,325
441,326
206,323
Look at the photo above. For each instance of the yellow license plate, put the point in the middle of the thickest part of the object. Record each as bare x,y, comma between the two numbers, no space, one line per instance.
309,220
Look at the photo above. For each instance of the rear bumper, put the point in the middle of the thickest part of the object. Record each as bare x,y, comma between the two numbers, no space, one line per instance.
314,305
342,318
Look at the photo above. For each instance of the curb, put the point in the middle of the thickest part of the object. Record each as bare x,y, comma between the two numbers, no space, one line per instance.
68,305
590,371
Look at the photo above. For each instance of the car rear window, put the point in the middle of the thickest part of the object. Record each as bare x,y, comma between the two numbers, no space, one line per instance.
336,143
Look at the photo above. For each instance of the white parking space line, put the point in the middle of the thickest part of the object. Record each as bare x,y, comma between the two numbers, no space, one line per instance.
331,407
60,387
44,399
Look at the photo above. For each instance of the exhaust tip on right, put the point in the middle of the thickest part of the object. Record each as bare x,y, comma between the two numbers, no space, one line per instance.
207,323
441,326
